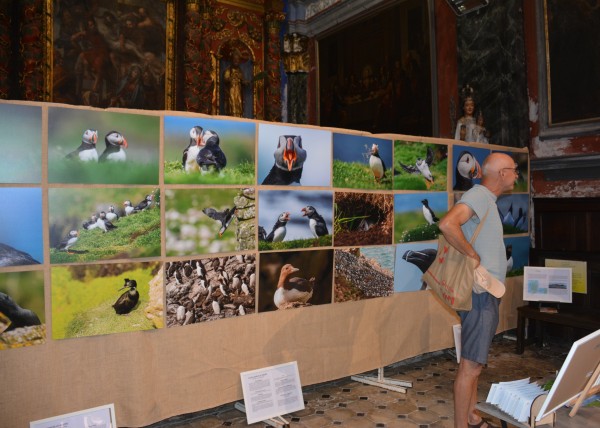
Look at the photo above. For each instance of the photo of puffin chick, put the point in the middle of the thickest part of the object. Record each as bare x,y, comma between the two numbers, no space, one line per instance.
210,156
377,164
200,290
292,292
188,161
115,148
289,161
295,279
68,242
316,222
86,152
224,217
127,301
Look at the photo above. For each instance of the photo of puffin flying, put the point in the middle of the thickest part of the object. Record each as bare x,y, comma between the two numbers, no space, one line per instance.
86,152
224,217
421,167
289,161
115,148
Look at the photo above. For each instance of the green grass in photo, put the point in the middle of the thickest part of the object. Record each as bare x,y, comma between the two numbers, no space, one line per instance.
321,241
242,173
409,227
355,175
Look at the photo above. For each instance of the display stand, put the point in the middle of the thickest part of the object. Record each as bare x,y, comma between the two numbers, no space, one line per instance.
277,421
589,390
505,418
382,382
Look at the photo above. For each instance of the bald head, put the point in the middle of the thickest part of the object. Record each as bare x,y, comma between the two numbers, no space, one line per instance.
495,162
499,173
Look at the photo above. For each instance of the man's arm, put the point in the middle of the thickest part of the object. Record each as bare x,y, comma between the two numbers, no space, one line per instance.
450,227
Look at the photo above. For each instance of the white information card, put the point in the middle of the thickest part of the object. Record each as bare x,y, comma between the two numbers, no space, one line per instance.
272,391
97,417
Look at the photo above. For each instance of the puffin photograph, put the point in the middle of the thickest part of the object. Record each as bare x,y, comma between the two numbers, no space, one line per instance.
188,161
128,207
211,157
68,242
119,298
420,166
224,147
289,161
102,165
112,215
127,301
412,261
361,162
224,217
292,156
295,279
363,219
517,255
86,152
416,215
467,169
316,222
279,230
115,148
144,204
19,317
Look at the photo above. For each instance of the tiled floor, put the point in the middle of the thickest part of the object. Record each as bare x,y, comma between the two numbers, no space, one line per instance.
428,404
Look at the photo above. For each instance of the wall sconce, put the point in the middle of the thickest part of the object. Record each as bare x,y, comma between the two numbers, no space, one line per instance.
462,7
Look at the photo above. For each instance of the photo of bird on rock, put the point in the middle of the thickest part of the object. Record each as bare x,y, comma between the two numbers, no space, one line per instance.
294,279
420,166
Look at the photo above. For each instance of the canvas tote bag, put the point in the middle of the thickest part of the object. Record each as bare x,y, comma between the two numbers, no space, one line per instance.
451,274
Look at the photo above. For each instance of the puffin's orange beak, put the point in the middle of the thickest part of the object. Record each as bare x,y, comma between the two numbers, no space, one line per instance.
289,154
199,141
476,170
124,142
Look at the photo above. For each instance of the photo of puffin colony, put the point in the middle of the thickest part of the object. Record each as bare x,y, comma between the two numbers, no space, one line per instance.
363,273
420,166
209,221
361,162
210,289
215,151
363,219
295,279
113,230
22,309
89,300
128,153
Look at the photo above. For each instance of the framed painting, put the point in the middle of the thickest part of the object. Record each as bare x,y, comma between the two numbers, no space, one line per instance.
390,89
569,48
111,54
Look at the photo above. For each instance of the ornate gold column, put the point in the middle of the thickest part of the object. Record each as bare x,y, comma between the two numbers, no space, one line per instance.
198,84
273,21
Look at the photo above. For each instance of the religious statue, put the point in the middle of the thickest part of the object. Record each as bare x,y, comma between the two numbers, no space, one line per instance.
234,80
469,128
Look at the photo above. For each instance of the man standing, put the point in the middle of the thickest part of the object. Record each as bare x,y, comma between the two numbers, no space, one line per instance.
480,323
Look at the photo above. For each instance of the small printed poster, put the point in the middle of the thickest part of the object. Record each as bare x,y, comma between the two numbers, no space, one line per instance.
579,272
272,391
545,284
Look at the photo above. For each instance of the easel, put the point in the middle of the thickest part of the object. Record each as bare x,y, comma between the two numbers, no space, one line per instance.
505,418
589,390
383,382
277,421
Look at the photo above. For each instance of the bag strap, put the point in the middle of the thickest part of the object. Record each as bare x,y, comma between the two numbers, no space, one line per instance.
474,237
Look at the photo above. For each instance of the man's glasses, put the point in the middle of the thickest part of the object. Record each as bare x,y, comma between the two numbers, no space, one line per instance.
515,170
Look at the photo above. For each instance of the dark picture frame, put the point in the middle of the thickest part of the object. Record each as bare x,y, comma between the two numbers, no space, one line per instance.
111,54
389,89
568,82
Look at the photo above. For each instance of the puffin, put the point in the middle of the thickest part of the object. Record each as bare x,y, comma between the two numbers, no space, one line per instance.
10,256
279,230
91,223
376,163
289,161
467,169
509,258
143,205
86,152
262,233
191,151
128,207
18,316
111,215
421,259
428,213
104,224
421,166
115,148
224,217
128,299
211,154
316,222
292,290
68,242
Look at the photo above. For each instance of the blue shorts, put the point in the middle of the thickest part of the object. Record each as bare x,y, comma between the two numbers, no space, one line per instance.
478,327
